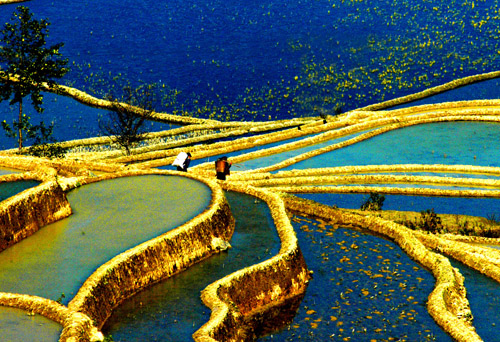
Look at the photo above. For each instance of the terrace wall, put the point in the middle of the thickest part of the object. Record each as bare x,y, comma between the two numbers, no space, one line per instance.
154,260
244,300
25,213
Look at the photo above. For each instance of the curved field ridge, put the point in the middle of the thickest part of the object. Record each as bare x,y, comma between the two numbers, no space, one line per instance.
131,271
24,214
447,304
156,259
243,296
247,297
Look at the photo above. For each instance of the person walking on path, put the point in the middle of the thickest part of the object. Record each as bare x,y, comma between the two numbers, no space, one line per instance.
222,166
182,161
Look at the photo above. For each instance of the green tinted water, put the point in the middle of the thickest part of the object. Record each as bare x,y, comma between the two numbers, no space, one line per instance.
109,217
173,310
17,325
9,189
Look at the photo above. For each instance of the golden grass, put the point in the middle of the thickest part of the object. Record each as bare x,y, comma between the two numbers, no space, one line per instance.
242,294
249,294
447,304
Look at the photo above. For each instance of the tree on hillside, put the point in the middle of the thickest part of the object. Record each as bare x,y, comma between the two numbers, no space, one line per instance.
26,63
124,126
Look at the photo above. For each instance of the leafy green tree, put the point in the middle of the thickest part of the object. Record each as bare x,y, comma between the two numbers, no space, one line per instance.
26,63
124,126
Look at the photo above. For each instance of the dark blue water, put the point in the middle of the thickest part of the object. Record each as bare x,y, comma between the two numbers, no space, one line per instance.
271,59
442,205
173,310
364,288
483,294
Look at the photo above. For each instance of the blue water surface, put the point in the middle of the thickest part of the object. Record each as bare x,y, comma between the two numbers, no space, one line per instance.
266,60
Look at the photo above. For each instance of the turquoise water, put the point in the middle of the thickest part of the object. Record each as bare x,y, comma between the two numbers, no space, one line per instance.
108,218
9,189
274,59
172,310
279,157
240,166
454,143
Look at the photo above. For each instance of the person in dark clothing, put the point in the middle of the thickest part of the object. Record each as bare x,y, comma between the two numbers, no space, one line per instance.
222,166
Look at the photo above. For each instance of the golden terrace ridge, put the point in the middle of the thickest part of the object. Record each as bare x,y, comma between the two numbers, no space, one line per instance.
248,295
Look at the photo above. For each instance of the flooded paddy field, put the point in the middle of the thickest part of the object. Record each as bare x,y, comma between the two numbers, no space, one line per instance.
364,288
18,325
443,205
172,310
454,143
483,294
109,217
237,63
9,189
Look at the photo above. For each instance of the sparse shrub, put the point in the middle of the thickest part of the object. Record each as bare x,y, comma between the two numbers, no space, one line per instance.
338,109
491,233
60,299
430,221
493,218
45,145
47,150
374,202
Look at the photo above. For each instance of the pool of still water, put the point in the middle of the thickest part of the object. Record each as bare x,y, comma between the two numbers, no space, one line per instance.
17,325
108,218
9,189
364,288
172,310
450,143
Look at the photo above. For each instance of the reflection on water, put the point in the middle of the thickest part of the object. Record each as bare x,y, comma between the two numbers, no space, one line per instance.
364,288
17,325
108,218
172,310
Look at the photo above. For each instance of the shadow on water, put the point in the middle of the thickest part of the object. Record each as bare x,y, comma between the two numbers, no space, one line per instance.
364,288
172,310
